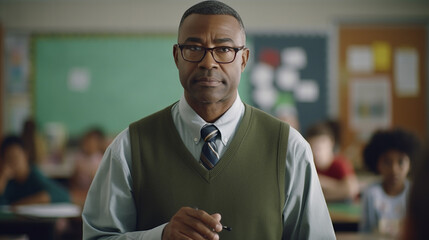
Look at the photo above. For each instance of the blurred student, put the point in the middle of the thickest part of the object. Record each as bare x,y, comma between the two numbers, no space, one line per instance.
33,142
388,153
20,181
88,159
415,226
335,127
336,174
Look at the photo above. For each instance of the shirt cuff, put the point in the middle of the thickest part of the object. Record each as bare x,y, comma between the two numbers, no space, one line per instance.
154,233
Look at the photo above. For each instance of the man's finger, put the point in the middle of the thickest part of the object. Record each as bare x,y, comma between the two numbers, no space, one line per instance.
210,221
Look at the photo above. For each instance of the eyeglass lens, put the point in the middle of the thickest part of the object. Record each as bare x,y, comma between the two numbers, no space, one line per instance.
220,54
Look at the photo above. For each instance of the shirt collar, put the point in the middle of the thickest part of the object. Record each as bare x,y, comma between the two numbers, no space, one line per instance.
226,124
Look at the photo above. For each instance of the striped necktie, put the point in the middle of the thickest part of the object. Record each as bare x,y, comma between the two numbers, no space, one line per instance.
209,155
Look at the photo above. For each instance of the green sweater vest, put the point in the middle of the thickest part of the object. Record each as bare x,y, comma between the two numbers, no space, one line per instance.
246,187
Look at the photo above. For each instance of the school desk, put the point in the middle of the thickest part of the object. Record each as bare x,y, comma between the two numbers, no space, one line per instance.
362,236
345,216
35,221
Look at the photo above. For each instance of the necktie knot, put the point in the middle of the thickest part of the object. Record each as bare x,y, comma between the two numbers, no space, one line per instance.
209,155
209,133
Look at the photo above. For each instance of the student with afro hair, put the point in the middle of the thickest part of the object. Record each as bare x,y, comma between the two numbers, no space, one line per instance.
389,153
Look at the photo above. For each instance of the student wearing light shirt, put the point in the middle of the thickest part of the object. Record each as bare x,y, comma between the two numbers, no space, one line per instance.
390,154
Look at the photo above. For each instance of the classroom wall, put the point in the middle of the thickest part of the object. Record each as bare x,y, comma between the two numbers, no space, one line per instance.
162,16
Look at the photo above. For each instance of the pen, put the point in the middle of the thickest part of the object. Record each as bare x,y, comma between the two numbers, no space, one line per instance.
229,229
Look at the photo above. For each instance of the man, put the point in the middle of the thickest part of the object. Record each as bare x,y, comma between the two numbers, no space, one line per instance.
161,179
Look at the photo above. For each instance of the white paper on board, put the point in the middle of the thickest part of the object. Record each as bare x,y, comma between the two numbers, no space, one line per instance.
406,72
262,75
360,59
265,97
307,91
79,79
287,78
294,57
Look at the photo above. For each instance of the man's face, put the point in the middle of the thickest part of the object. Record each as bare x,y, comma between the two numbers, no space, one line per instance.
210,82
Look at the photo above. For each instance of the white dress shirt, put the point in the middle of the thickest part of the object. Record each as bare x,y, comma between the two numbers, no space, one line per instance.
110,211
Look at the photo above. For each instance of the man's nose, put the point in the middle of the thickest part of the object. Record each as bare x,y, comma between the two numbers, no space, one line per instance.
208,62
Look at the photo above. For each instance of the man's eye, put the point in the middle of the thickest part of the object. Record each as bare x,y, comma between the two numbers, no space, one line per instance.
224,49
195,48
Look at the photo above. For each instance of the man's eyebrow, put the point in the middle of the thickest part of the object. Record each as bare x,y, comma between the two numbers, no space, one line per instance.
194,39
216,41
223,40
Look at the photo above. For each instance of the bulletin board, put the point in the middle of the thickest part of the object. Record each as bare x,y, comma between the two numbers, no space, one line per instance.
382,80
289,72
81,81
108,81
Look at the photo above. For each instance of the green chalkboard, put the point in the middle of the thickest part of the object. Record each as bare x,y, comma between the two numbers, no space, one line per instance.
107,81
127,77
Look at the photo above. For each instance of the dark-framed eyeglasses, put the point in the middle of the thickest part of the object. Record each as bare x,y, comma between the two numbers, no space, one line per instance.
222,54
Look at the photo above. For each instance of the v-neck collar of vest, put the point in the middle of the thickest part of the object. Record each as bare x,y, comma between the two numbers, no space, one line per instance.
228,156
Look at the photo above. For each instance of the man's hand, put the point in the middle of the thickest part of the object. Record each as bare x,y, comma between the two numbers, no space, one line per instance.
192,224
6,174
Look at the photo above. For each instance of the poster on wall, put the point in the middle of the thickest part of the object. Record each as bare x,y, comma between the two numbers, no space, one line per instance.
370,104
17,63
360,58
16,90
406,72
17,110
288,76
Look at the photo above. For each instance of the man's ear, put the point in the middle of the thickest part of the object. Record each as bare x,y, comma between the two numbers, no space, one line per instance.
176,54
244,58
